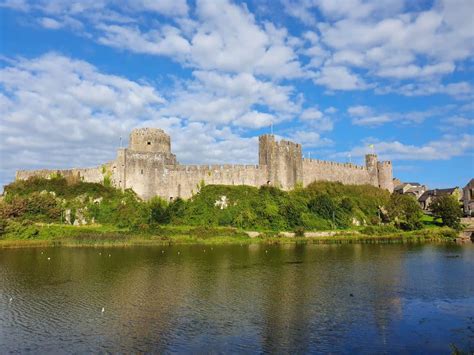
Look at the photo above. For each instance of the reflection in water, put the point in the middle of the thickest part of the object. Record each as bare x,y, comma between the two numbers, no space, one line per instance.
255,298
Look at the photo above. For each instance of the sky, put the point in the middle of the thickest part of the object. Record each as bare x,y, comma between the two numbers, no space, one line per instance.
337,76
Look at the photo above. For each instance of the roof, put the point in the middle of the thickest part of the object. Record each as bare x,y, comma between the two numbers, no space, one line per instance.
437,192
425,196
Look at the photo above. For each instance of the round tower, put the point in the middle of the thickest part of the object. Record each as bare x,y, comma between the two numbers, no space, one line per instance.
385,175
151,140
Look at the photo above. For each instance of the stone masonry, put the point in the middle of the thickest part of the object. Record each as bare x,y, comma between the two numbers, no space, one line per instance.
149,168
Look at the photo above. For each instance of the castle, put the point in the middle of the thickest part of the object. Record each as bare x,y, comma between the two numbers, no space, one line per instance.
149,168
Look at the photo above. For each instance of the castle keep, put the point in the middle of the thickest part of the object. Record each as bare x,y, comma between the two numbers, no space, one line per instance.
149,168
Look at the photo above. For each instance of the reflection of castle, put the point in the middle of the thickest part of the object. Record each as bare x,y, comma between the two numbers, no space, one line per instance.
149,168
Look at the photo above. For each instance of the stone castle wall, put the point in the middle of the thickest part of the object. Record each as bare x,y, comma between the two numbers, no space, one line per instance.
320,170
84,174
149,168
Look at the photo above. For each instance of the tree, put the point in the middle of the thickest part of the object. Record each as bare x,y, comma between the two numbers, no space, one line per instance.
404,211
159,211
448,209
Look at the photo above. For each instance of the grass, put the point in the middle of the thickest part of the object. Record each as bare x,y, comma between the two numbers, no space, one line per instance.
105,235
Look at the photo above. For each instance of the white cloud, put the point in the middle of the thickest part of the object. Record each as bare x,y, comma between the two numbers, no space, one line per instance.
256,119
310,139
459,90
368,116
359,110
165,7
50,23
339,78
311,114
445,148
58,112
411,71
317,120
458,121
167,41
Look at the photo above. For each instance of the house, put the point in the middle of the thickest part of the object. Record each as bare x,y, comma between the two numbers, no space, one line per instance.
468,198
414,189
429,196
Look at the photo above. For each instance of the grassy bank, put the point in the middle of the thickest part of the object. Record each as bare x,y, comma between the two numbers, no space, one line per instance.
46,235
58,211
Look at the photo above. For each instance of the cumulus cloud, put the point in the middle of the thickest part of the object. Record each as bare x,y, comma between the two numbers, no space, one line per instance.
368,116
316,120
339,78
310,139
232,99
75,115
385,39
445,148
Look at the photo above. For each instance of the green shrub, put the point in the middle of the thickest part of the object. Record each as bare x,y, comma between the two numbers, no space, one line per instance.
24,229
448,209
405,212
159,211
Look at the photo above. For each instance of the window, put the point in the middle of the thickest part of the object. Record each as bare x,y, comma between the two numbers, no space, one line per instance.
148,143
142,171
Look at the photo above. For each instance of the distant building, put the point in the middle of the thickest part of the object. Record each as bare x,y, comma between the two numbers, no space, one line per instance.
429,196
468,198
414,189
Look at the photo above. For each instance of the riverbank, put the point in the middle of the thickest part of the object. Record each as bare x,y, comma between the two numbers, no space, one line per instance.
48,235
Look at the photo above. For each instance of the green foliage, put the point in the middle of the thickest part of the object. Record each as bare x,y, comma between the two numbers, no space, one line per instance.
62,187
448,209
405,212
24,229
3,226
36,206
159,211
320,206
329,209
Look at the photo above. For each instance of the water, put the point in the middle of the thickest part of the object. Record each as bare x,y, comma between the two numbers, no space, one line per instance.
257,298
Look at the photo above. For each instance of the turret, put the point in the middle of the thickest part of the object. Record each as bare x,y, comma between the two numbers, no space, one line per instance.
150,140
385,175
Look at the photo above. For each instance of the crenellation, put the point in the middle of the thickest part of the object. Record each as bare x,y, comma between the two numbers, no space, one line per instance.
149,168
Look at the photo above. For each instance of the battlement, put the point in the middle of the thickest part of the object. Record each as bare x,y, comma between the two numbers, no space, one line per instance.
149,168
221,167
334,163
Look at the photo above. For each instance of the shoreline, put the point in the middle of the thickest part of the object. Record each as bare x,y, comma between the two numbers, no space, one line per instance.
100,236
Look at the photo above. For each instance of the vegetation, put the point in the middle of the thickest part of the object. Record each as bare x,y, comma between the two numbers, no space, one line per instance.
448,209
44,209
405,212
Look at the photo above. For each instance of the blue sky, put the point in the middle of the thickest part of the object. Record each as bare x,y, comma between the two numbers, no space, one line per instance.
334,75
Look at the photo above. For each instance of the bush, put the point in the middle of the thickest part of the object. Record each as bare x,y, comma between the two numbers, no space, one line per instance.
319,206
448,209
159,212
3,226
21,229
405,212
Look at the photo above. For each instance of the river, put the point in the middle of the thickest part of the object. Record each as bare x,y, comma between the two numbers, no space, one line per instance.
402,298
